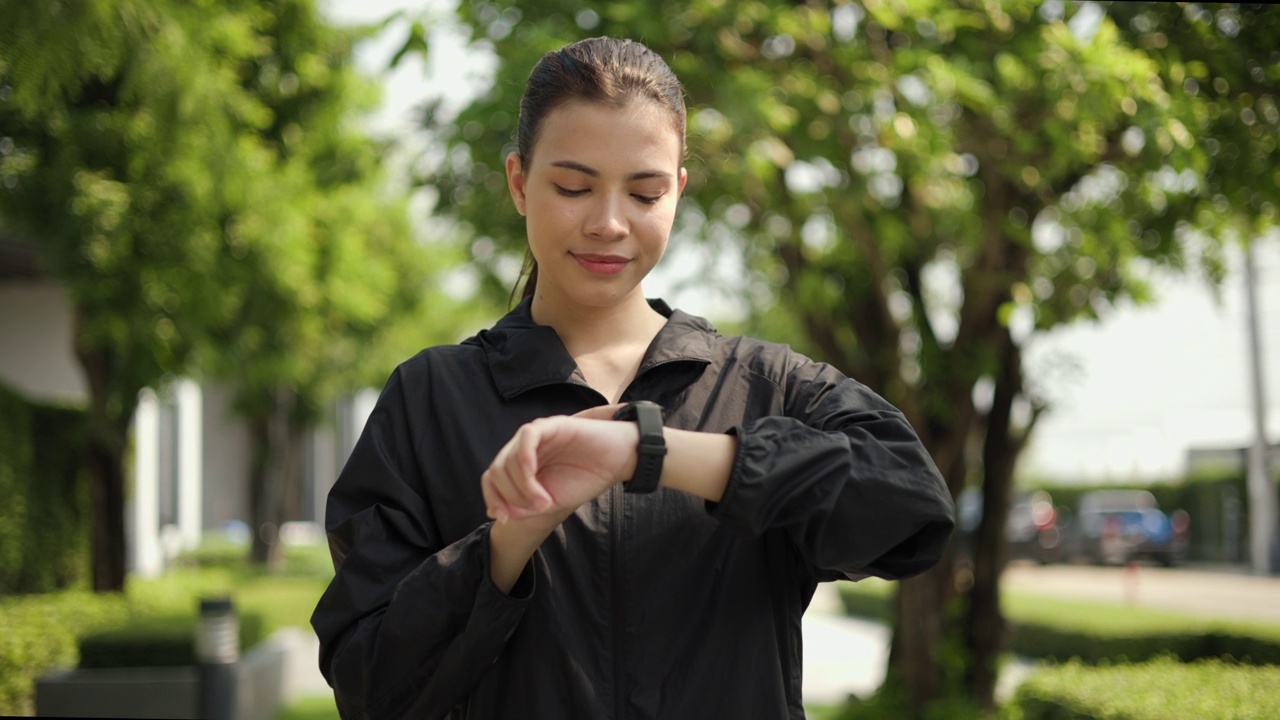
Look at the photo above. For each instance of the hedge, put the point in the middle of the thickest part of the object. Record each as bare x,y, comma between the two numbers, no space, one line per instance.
44,516
1160,689
1051,629
1047,642
39,633
156,641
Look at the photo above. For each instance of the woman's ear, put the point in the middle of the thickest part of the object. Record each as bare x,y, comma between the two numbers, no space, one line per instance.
684,178
515,180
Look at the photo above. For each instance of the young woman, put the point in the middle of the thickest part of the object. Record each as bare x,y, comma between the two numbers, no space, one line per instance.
506,548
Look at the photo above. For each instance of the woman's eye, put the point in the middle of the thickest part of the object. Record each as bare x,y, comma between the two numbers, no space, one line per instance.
570,193
648,199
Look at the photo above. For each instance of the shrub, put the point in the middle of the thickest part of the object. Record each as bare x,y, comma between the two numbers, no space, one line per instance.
1051,629
38,633
44,517
1049,642
156,641
1157,690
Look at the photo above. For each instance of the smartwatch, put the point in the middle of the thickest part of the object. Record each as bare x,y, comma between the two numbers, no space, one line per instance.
652,447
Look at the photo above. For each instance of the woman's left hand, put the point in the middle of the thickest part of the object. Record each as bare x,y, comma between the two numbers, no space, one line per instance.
553,465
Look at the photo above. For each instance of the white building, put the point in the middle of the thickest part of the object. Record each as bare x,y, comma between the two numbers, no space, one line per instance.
191,453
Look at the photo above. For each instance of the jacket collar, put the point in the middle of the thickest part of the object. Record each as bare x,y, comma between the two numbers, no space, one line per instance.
523,355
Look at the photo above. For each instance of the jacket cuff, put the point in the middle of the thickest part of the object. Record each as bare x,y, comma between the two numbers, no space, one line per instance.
770,449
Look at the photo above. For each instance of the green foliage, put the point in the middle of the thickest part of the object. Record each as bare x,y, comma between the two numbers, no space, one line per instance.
193,175
44,541
919,186
157,641
1162,688
1051,629
43,632
895,703
39,633
1047,628
927,132
1054,642
311,708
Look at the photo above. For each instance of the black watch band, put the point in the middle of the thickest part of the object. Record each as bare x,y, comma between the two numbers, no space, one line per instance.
652,447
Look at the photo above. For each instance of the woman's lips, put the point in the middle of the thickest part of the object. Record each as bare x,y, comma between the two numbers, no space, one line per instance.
601,264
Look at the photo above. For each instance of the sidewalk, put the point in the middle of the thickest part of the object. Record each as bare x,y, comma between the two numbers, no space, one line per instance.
845,655
842,655
1220,592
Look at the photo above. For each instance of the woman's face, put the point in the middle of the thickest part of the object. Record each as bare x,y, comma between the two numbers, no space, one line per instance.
599,198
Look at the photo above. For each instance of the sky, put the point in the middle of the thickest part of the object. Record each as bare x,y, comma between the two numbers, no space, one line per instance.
1148,383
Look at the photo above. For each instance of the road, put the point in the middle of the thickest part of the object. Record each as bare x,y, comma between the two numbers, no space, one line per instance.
1217,592
844,656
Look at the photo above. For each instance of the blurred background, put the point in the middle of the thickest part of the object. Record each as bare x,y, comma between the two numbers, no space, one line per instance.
1045,230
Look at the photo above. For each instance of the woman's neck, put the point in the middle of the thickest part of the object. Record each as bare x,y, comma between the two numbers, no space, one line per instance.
595,330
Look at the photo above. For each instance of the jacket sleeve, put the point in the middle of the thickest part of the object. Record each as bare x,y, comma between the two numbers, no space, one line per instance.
408,624
844,475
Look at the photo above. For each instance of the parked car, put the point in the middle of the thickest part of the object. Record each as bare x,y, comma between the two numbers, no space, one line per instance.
1116,527
1031,530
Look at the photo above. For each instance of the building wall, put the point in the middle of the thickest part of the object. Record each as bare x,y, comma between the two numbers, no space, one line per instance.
37,357
188,442
226,460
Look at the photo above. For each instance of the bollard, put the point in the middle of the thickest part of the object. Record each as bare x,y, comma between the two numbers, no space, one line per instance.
1131,583
217,650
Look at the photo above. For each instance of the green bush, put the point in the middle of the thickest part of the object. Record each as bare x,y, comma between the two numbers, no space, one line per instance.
39,633
156,641
1162,689
1051,629
44,516
1049,642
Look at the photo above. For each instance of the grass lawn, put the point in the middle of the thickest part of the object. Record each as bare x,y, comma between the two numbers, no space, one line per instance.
318,707
1077,614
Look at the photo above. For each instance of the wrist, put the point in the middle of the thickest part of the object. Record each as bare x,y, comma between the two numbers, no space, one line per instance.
650,449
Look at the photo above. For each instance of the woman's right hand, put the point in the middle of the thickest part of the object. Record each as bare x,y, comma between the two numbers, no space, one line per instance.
553,465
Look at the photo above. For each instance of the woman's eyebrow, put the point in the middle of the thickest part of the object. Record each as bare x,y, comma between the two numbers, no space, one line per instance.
592,172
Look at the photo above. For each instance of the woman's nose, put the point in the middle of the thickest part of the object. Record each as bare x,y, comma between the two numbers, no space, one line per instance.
607,220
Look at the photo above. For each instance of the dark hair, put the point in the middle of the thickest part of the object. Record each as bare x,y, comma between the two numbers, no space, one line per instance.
606,70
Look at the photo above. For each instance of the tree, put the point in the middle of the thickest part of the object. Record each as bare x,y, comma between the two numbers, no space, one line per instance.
919,188
190,173
120,129
333,285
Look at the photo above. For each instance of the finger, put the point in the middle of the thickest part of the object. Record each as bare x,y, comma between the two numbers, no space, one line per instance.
500,483
495,507
515,475
600,412
522,466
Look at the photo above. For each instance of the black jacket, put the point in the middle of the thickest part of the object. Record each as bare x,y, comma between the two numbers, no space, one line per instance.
638,606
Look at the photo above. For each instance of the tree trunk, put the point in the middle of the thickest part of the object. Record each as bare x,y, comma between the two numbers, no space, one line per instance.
917,639
985,631
106,488
106,438
276,464
920,620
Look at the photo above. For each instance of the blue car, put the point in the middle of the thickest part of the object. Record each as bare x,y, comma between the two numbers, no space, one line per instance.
1116,527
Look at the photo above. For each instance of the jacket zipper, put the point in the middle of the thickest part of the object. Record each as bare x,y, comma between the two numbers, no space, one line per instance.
619,678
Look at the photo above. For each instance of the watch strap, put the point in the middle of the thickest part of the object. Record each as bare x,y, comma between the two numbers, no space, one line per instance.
652,447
